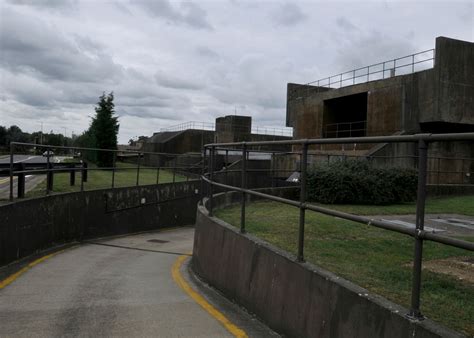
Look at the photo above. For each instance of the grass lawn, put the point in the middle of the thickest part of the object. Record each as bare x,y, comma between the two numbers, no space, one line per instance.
101,179
447,205
375,259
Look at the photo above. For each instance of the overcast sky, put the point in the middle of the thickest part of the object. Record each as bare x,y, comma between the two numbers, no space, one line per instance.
169,62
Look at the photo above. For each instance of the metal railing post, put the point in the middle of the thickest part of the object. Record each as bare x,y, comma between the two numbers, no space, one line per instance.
420,222
243,186
11,172
83,175
158,170
72,175
21,182
303,172
211,178
174,168
49,184
226,169
138,169
203,171
114,160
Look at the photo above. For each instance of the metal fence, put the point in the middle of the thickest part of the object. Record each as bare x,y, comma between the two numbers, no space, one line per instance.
187,165
400,66
212,127
418,233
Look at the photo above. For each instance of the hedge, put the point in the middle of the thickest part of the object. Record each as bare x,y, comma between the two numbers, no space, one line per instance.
358,182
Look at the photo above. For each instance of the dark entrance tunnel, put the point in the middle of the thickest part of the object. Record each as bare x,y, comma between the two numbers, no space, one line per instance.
345,116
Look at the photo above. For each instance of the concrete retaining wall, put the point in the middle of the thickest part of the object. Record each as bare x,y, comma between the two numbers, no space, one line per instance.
295,299
29,226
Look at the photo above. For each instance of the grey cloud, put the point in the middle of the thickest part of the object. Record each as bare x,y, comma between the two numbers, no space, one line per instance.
187,13
144,102
46,4
29,45
207,52
288,14
170,81
382,47
147,113
346,24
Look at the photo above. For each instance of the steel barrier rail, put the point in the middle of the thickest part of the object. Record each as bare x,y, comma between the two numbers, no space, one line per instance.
355,218
39,171
351,75
346,140
418,233
104,150
50,170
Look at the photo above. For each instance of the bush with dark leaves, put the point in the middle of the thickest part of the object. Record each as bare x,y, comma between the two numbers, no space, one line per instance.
358,182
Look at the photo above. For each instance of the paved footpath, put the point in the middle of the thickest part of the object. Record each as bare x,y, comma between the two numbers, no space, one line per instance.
127,286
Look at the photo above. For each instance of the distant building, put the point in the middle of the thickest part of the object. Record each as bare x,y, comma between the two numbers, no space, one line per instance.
190,137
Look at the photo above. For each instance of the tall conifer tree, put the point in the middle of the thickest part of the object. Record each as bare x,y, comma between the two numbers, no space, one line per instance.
104,128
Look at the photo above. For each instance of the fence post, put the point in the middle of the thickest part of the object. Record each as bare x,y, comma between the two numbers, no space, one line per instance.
138,169
49,173
21,181
158,164
72,175
86,171
420,222
243,186
83,175
211,177
203,171
11,172
174,168
114,160
303,167
226,167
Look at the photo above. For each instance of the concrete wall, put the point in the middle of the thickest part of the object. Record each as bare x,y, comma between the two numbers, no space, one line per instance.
233,128
29,226
454,76
295,299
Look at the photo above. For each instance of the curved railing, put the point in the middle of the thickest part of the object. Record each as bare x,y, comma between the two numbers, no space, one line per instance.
301,147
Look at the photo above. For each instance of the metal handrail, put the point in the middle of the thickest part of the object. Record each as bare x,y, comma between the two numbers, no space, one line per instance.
261,130
351,76
418,233
84,169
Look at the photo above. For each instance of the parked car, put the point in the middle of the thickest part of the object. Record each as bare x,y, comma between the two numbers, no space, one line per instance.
48,153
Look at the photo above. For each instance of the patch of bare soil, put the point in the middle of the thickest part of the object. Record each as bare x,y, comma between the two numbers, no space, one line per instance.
461,268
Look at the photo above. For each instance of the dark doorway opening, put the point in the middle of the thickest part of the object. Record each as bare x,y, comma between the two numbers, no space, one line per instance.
345,116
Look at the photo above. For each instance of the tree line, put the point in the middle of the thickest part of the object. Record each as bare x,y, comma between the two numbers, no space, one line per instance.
15,134
102,133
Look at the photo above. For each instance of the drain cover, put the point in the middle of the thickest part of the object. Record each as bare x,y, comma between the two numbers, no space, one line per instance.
157,241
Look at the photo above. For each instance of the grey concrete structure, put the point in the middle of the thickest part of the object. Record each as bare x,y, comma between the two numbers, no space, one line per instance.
295,299
436,100
231,128
29,226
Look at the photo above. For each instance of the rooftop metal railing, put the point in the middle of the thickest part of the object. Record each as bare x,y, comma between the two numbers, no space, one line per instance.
195,125
418,233
400,66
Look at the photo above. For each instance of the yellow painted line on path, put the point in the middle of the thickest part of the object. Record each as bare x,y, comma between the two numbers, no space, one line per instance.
178,278
10,279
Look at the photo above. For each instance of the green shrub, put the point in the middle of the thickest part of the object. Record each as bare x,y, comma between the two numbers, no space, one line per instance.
358,182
